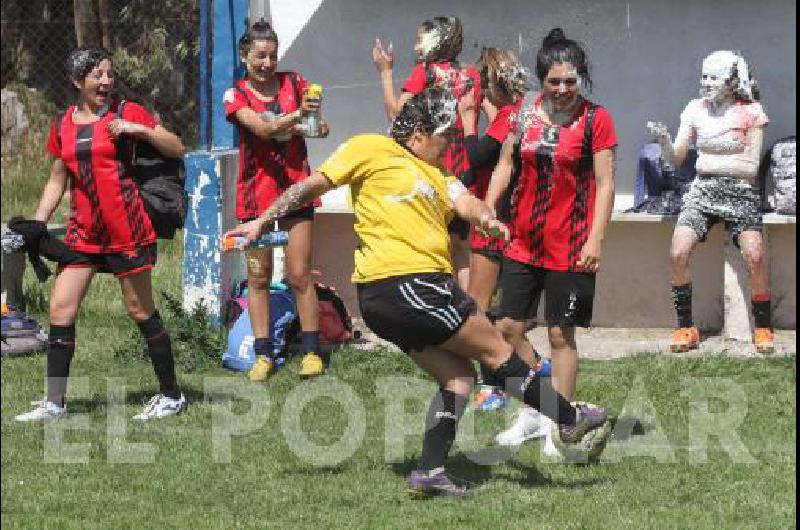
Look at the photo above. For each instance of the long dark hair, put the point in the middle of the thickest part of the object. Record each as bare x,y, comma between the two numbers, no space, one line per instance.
557,48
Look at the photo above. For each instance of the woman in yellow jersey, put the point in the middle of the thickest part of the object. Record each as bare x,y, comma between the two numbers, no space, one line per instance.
406,288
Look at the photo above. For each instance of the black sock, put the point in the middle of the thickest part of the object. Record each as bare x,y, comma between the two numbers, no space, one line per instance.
440,428
682,301
264,347
160,350
762,313
520,381
311,342
60,350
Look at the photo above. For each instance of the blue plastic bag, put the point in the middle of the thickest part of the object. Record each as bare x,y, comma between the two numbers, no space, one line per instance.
240,355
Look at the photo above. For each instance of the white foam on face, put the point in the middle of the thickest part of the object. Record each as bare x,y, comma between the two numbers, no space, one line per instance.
716,76
429,41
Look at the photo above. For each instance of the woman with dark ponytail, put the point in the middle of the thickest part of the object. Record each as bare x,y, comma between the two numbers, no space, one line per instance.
268,107
565,146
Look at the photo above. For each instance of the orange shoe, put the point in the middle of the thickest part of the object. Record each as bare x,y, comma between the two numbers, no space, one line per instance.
685,339
764,340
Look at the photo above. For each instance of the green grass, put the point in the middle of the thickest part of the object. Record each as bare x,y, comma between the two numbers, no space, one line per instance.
266,484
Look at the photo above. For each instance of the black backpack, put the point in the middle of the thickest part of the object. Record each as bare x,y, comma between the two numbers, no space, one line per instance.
161,183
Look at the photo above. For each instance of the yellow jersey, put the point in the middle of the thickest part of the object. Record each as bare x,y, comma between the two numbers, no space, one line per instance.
402,206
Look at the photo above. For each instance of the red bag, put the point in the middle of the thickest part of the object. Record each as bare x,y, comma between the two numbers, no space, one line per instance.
334,321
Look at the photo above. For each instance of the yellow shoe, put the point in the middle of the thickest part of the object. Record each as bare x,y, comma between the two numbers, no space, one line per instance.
311,366
261,369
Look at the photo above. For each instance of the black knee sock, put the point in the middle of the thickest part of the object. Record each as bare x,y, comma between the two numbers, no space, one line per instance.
520,381
264,347
762,313
61,348
682,301
440,428
160,350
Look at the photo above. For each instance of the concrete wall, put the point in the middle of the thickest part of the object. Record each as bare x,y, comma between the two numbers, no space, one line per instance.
646,56
632,286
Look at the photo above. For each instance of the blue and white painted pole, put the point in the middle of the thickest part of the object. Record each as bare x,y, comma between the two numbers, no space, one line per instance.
208,275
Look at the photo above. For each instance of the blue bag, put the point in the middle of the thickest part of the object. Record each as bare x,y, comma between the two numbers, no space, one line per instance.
240,355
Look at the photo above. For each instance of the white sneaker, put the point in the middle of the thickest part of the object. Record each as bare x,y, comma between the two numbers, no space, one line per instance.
549,450
44,411
160,406
529,424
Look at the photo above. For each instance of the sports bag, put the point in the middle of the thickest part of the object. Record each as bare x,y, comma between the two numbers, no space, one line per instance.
240,354
778,171
161,182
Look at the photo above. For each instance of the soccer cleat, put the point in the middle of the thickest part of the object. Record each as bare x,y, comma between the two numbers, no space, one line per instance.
685,339
586,439
529,424
260,369
311,366
161,406
44,411
764,340
422,485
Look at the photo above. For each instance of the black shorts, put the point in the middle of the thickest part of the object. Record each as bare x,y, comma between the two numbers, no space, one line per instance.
414,311
569,296
120,264
492,255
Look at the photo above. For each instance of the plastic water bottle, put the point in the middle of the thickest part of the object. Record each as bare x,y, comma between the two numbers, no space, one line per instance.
278,238
312,119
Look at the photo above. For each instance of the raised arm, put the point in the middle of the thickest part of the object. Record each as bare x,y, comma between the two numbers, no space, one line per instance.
673,154
53,191
384,63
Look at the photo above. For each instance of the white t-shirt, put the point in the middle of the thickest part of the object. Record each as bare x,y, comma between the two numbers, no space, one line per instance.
728,141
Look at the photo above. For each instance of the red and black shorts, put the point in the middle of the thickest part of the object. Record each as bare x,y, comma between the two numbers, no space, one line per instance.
415,311
120,264
487,246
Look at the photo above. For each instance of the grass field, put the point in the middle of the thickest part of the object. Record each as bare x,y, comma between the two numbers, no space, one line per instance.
187,484
266,481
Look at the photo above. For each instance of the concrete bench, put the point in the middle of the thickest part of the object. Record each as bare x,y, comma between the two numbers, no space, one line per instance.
633,283
632,287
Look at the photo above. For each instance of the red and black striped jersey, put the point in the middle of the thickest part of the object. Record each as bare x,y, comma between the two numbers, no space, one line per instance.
458,81
106,211
553,203
267,167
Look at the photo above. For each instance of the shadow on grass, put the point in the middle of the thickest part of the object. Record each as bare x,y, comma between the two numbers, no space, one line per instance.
140,397
466,470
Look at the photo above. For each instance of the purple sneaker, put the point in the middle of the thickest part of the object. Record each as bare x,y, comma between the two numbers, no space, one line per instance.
589,417
585,440
421,485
